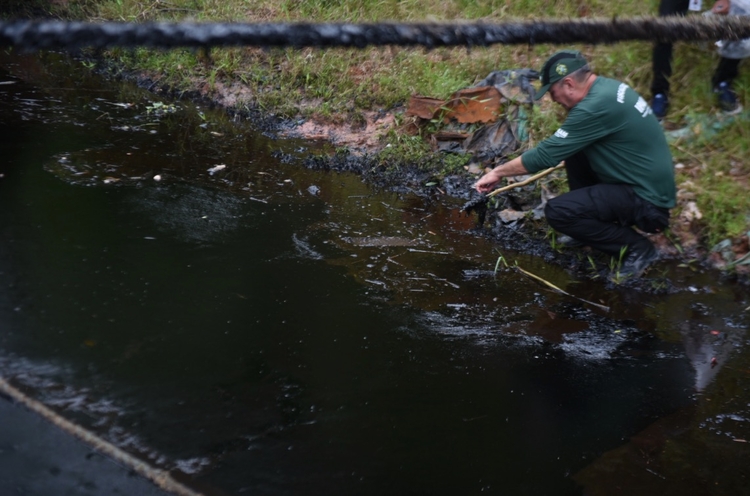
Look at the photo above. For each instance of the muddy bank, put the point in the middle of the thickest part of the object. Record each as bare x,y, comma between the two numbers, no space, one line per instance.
513,222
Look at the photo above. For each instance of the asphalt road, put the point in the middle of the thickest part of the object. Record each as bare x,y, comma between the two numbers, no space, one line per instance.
37,458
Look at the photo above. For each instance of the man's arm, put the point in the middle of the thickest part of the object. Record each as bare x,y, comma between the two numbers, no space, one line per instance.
513,168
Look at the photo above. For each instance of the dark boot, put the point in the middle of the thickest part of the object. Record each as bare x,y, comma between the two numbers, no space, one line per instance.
637,260
566,241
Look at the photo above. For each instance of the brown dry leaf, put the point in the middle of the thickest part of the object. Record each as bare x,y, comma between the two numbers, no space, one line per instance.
482,104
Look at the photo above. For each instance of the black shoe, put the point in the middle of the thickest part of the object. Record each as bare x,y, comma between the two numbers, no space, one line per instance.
660,105
727,98
567,242
637,261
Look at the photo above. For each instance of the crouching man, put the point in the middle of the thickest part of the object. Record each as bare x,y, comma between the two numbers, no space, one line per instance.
618,163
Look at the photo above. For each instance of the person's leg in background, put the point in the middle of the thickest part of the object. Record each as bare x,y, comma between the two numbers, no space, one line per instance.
662,61
721,81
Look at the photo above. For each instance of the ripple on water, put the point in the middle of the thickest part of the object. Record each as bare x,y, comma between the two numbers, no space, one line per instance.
573,332
190,213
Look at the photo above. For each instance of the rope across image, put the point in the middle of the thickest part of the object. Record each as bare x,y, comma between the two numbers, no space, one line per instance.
39,35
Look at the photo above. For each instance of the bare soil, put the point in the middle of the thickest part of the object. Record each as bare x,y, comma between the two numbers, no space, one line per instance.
356,137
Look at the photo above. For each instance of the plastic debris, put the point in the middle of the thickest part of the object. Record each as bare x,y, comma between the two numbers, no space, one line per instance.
691,212
507,216
735,49
499,103
213,170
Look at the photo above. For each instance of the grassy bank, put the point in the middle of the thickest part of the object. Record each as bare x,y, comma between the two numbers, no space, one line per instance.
343,85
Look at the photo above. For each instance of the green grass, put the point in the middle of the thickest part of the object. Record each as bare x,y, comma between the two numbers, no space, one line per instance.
720,183
342,84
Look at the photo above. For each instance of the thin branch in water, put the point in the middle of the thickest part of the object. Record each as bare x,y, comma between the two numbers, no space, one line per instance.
556,289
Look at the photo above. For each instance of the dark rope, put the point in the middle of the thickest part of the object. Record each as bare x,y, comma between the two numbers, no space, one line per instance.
36,35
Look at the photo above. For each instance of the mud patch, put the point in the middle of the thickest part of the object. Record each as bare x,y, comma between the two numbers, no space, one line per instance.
361,137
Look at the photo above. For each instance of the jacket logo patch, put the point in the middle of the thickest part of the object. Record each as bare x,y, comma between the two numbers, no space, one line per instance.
621,93
642,107
561,133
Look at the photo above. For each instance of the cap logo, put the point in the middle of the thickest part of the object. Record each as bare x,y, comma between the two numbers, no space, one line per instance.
561,69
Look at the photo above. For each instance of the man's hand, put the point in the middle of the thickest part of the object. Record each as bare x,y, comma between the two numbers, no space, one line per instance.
487,182
513,168
721,7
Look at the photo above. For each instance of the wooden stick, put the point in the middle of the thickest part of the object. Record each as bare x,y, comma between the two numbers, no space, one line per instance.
527,180
555,288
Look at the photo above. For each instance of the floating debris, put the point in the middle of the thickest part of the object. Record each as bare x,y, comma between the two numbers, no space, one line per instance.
216,168
368,241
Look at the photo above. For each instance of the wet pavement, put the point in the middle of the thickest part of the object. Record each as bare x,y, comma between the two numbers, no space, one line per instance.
38,459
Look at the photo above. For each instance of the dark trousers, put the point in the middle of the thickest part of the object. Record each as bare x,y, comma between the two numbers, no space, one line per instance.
662,55
601,215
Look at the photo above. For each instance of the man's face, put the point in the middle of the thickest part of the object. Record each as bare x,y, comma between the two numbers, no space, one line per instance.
560,94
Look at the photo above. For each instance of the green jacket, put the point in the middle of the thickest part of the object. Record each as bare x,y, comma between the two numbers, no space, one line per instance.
625,144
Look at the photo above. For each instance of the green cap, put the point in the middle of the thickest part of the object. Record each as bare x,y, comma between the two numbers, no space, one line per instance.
557,67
